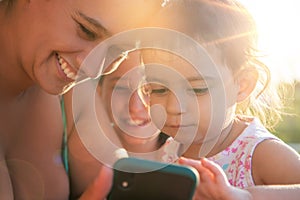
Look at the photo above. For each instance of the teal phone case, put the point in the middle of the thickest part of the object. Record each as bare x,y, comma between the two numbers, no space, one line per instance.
144,180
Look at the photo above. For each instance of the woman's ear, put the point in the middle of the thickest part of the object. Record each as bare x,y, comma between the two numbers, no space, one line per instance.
247,80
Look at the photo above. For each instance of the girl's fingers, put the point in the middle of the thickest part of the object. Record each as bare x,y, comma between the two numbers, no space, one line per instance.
205,174
213,167
217,171
207,169
189,162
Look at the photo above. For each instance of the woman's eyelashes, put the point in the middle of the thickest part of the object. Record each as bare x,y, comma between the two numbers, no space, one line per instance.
86,32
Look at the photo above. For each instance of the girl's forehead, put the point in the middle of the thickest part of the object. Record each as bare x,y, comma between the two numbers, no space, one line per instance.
168,65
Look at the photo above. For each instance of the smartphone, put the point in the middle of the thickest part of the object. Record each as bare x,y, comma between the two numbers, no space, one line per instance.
150,180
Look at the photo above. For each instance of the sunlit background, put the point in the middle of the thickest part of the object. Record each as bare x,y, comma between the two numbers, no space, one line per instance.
279,29
279,38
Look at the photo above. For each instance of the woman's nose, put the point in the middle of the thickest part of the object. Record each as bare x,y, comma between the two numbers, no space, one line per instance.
139,105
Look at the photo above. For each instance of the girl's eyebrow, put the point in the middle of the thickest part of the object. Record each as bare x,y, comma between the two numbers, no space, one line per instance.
200,78
94,23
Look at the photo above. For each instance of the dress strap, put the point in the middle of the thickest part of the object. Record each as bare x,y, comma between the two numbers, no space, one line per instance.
65,136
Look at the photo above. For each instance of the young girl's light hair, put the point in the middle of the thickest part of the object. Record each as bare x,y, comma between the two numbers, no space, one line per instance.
228,26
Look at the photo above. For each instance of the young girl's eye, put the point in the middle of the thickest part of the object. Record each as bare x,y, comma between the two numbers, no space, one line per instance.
199,91
90,35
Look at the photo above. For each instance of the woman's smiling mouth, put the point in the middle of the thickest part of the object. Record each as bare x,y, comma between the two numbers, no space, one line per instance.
67,69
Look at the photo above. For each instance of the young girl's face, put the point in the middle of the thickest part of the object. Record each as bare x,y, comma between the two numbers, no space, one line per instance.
195,101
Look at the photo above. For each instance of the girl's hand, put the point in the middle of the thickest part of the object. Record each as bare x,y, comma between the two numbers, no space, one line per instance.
99,189
213,183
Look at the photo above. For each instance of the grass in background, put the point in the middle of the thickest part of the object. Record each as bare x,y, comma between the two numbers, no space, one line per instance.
289,129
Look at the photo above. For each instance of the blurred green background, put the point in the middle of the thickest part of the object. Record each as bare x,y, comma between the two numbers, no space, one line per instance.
289,129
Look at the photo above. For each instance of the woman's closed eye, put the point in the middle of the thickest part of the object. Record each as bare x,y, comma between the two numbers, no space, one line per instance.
87,33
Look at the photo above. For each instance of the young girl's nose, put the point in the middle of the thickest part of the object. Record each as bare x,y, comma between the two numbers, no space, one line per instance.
176,105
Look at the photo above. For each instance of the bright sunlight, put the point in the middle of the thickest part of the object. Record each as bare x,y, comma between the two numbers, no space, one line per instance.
279,30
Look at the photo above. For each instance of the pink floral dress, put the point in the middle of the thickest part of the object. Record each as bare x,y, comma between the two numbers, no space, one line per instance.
236,160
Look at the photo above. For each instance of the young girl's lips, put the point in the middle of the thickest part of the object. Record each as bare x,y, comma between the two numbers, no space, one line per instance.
179,126
66,71
172,126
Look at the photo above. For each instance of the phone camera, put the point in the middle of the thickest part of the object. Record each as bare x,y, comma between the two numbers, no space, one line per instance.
125,184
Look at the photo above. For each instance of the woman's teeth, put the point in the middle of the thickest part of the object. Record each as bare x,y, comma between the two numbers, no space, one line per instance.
69,72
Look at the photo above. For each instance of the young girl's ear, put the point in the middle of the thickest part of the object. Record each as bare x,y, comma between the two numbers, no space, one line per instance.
247,80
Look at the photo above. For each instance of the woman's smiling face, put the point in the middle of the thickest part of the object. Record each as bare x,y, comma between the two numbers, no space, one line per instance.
52,38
